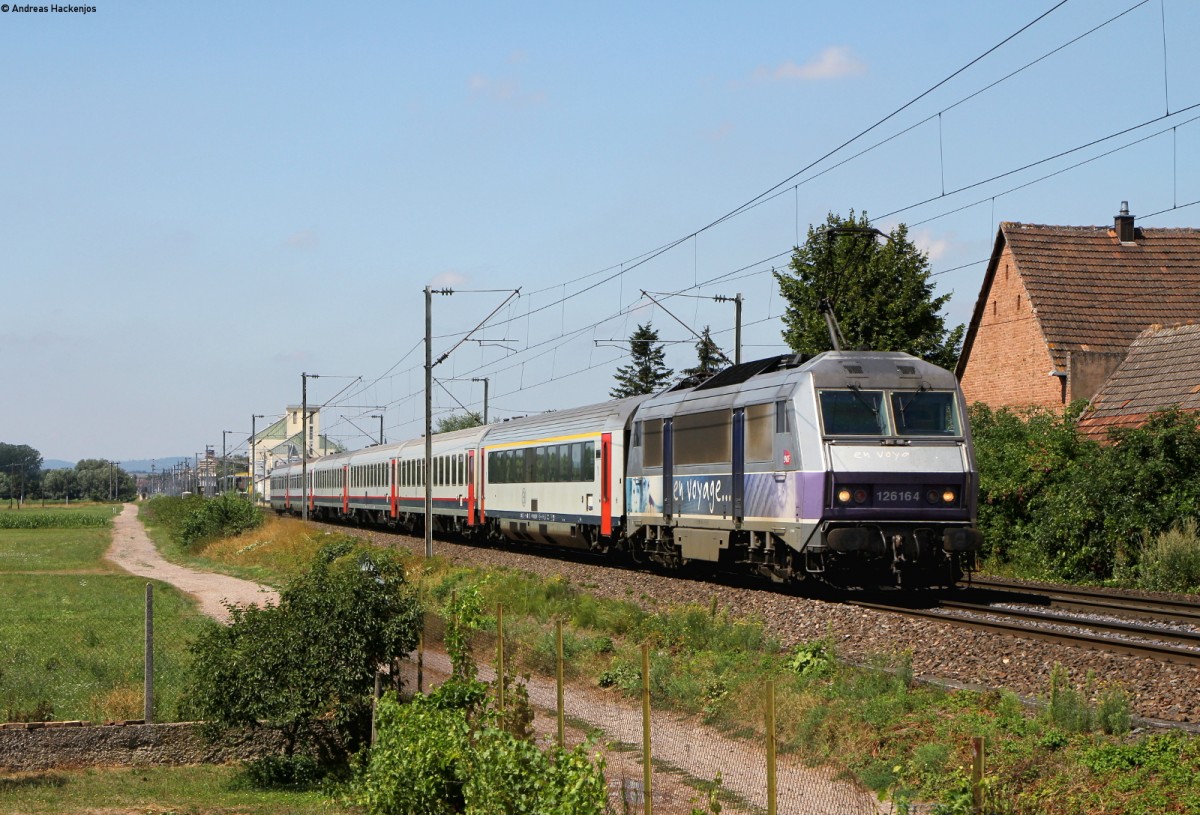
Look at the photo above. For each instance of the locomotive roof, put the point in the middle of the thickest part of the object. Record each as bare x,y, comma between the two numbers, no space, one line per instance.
778,377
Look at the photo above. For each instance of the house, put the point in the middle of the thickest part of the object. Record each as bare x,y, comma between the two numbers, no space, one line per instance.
1162,369
1060,307
283,441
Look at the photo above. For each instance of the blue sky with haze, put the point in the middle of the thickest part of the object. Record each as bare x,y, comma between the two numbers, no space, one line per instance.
203,200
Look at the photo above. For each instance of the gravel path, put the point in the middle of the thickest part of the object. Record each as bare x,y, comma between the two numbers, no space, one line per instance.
134,552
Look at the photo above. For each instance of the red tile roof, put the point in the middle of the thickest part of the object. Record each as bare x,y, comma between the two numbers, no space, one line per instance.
1161,370
1091,293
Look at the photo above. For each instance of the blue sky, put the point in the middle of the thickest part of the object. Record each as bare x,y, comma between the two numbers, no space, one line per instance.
203,200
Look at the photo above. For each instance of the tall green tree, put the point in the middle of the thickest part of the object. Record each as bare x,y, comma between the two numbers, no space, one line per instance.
22,468
709,357
647,371
459,421
880,292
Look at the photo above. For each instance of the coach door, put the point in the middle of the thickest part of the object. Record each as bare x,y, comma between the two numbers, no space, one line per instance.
605,483
739,462
470,488
668,467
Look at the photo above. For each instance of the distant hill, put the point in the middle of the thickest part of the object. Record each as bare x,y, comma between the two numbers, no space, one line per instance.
134,466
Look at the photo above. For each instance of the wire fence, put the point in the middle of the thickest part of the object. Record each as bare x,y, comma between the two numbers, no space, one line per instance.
93,647
689,762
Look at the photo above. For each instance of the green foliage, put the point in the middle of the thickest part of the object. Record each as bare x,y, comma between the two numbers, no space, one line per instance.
314,653
20,470
92,479
881,293
1170,561
1056,504
224,516
812,660
28,519
1071,710
646,371
459,421
445,753
275,772
709,358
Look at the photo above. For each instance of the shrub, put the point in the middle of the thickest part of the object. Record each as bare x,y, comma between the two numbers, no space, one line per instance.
445,753
221,517
314,653
1170,561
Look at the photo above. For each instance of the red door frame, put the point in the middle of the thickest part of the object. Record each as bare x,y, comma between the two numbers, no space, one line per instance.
393,491
345,488
606,483
470,488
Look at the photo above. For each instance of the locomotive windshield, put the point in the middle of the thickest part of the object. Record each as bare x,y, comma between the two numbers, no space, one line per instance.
853,413
857,412
925,413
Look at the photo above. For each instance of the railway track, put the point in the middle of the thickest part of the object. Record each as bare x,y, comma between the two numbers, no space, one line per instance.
1092,601
1086,618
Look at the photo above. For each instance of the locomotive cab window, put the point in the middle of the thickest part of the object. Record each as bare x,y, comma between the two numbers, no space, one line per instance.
925,413
854,412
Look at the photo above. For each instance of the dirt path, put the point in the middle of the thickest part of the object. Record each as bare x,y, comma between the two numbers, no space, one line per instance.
686,753
134,552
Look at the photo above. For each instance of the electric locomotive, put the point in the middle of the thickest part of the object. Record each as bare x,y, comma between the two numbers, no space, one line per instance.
855,468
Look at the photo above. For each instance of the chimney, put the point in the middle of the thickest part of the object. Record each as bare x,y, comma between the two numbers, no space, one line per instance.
1123,224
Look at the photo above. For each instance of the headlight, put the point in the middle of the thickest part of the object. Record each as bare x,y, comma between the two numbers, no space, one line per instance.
948,496
844,495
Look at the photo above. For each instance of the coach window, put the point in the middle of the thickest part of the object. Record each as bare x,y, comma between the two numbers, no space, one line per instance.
589,461
759,438
652,443
703,438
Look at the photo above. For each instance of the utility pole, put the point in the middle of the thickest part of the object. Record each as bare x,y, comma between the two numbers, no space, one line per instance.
224,462
304,437
484,380
428,420
737,333
379,416
253,466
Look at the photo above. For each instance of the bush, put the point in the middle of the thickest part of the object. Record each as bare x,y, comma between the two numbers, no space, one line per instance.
1055,504
221,517
1171,560
447,753
315,653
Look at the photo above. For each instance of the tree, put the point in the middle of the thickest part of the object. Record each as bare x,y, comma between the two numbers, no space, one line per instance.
646,371
22,467
880,292
710,358
458,421
98,479
314,653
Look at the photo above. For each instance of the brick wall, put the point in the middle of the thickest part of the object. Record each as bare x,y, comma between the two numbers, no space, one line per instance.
1010,363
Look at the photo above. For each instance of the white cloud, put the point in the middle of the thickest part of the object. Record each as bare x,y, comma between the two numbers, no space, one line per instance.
834,62
449,280
936,248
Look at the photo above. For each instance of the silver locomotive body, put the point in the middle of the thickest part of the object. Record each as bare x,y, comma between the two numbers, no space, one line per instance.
853,467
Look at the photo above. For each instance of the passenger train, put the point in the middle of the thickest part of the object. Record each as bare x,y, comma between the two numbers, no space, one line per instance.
854,468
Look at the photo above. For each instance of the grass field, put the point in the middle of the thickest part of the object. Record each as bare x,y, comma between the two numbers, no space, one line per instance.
72,635
203,790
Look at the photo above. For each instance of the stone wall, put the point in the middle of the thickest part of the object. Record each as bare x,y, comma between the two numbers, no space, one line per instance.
54,745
